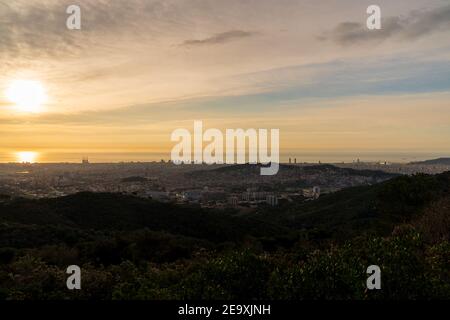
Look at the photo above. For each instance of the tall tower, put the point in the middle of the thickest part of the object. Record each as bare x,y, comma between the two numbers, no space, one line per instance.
316,192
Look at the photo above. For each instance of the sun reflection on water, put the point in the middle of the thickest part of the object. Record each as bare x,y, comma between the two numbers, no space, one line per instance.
27,156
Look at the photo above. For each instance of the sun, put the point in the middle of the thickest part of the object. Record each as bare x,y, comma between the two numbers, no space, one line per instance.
26,156
27,95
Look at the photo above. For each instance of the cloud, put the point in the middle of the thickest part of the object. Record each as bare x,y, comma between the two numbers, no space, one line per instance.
220,38
428,22
33,28
414,26
366,78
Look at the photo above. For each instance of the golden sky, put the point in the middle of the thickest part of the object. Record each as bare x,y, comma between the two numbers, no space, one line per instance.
139,69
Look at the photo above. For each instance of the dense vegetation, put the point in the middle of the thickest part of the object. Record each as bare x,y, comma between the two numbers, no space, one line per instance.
132,248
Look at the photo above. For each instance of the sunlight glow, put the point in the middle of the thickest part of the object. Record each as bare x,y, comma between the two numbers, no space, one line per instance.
26,156
27,95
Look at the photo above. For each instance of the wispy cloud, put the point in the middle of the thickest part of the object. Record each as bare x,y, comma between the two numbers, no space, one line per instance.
415,25
220,38
36,28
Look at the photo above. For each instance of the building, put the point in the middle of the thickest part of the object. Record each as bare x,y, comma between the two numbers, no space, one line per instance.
192,195
272,200
311,194
161,196
316,192
233,201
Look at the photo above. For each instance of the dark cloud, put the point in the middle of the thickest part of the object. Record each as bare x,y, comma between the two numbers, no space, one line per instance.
414,26
220,38
438,19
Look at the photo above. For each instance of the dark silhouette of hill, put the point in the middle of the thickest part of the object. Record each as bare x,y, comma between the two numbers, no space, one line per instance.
439,161
343,214
288,176
134,179
109,211
132,248
375,209
250,170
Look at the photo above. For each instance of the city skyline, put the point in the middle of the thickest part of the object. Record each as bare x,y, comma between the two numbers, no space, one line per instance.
129,157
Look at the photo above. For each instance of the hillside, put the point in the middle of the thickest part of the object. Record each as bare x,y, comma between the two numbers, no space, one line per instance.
117,212
284,169
341,215
131,248
376,209
439,161
288,176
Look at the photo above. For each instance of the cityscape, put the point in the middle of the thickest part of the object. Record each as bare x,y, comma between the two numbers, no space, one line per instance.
220,159
208,186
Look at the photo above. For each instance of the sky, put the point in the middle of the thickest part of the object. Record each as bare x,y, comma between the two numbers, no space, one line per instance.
139,69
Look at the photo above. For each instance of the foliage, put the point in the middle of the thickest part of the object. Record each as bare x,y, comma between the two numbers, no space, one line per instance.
133,249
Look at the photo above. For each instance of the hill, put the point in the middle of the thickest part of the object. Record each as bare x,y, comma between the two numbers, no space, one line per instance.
298,176
131,248
117,212
373,209
439,161
253,170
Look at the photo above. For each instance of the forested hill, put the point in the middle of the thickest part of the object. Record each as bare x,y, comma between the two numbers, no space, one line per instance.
345,213
373,209
132,248
117,212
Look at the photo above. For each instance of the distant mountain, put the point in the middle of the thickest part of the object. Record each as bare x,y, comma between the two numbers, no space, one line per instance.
254,169
288,170
297,176
439,161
